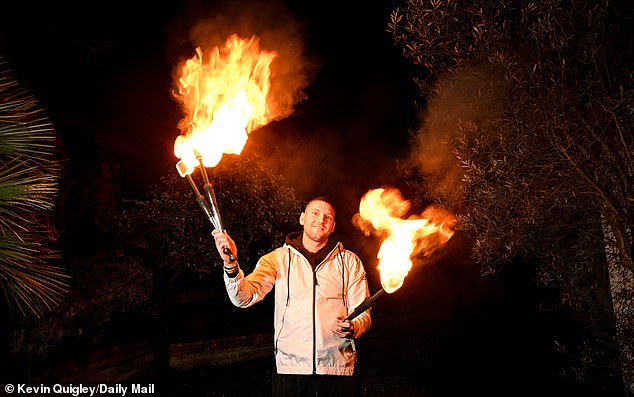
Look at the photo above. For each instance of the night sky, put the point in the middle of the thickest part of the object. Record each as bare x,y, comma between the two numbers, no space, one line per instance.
103,70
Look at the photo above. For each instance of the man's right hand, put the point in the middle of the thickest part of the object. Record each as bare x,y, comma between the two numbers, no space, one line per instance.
225,246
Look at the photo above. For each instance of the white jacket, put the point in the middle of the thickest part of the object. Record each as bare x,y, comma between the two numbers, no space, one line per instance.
306,305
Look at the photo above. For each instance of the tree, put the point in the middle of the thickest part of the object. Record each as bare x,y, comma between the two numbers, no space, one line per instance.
544,146
29,277
170,232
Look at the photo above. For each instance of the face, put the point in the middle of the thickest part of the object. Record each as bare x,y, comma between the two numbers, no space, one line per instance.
318,220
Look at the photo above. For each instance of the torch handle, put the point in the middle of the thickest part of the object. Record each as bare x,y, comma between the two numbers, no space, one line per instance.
228,252
365,305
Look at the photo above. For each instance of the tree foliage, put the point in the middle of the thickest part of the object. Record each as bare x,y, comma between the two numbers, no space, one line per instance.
170,232
28,188
545,163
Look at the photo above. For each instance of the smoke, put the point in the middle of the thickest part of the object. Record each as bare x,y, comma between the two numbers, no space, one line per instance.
471,96
277,30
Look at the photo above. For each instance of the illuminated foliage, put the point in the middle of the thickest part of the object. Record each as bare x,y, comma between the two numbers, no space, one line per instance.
28,189
171,233
545,167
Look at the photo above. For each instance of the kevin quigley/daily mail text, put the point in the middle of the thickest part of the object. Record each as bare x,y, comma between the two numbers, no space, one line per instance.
86,390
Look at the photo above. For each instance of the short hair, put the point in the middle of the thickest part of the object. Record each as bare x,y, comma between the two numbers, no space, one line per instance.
325,199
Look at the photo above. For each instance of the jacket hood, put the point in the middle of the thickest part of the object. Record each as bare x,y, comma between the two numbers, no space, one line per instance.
294,239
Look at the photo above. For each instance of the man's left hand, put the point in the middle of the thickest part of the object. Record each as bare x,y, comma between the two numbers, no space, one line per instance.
343,328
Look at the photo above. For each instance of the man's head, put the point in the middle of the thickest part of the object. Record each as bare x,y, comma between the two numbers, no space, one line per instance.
318,220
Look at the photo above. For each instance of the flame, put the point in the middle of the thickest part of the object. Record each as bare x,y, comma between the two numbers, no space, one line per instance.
224,98
384,210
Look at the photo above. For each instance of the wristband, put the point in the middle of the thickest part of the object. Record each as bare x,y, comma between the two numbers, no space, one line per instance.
231,271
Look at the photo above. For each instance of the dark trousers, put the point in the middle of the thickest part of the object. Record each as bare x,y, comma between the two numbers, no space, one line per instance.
285,385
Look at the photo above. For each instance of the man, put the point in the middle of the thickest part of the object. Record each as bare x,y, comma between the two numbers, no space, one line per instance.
317,283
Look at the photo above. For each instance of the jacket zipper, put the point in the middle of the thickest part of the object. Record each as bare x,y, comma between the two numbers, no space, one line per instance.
315,312
314,321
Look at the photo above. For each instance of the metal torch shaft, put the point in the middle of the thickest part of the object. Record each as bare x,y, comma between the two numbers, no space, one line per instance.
211,197
366,304
202,203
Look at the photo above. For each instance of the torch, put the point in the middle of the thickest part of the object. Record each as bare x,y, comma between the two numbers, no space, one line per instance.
366,304
382,212
211,211
224,98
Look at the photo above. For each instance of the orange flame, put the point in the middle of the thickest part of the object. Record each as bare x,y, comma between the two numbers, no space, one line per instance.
224,98
404,238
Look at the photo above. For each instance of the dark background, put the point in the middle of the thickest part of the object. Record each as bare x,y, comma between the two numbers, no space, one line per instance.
104,72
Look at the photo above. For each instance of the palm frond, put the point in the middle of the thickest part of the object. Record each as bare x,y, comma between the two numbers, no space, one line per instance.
24,129
28,188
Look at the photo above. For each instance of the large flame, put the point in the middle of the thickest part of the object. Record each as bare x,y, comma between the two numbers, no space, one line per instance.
418,235
224,96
